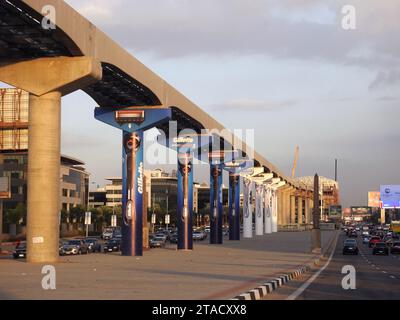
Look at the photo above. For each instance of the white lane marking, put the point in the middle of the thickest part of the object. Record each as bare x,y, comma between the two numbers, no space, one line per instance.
384,272
377,268
373,265
306,284
393,277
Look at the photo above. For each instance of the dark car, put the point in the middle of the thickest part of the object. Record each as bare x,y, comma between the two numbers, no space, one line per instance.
395,247
373,241
20,251
93,244
173,238
380,248
353,234
350,247
112,245
73,247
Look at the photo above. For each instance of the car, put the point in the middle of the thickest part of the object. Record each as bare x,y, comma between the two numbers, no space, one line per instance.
395,247
350,247
112,245
380,248
157,242
107,234
161,235
173,238
73,247
19,251
93,244
352,234
373,240
366,239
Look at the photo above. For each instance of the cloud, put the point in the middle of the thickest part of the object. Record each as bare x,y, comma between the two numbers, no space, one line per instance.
251,105
384,79
304,29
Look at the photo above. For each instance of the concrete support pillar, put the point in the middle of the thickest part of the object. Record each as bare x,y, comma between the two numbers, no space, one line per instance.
286,207
259,223
247,209
46,79
300,210
268,210
292,208
274,205
279,200
44,177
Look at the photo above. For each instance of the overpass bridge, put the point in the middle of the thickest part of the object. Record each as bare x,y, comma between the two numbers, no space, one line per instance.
50,63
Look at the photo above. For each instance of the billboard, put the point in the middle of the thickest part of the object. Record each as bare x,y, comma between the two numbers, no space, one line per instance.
335,212
374,199
390,196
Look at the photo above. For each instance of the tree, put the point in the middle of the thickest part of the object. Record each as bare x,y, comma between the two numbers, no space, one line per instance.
17,215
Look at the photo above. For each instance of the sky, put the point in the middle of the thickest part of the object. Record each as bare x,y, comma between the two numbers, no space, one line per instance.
285,68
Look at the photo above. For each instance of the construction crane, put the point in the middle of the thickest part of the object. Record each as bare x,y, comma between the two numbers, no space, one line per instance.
296,158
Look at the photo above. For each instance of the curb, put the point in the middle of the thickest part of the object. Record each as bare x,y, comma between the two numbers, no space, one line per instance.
271,285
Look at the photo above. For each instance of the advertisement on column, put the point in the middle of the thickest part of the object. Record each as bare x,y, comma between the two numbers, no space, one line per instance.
216,203
267,210
185,201
132,194
247,209
259,210
234,206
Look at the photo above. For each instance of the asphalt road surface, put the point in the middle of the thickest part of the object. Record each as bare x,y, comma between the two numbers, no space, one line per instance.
377,278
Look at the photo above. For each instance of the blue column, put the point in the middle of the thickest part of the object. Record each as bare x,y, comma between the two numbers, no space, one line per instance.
132,193
185,200
216,203
234,206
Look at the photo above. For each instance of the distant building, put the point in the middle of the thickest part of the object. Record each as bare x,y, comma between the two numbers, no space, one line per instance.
97,198
113,192
14,108
328,188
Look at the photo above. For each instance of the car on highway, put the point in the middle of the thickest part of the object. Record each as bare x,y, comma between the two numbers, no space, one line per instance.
373,240
366,239
93,244
350,247
395,247
158,242
19,251
380,248
73,247
353,234
112,245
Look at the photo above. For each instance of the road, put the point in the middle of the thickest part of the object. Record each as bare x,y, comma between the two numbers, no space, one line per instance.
207,272
377,278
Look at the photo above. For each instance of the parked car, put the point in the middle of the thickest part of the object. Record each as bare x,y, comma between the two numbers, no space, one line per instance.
93,244
112,245
107,234
373,240
173,238
158,241
73,247
380,248
19,251
350,247
395,247
161,235
199,235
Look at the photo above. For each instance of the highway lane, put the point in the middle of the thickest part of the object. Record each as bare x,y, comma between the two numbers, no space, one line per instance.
377,277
